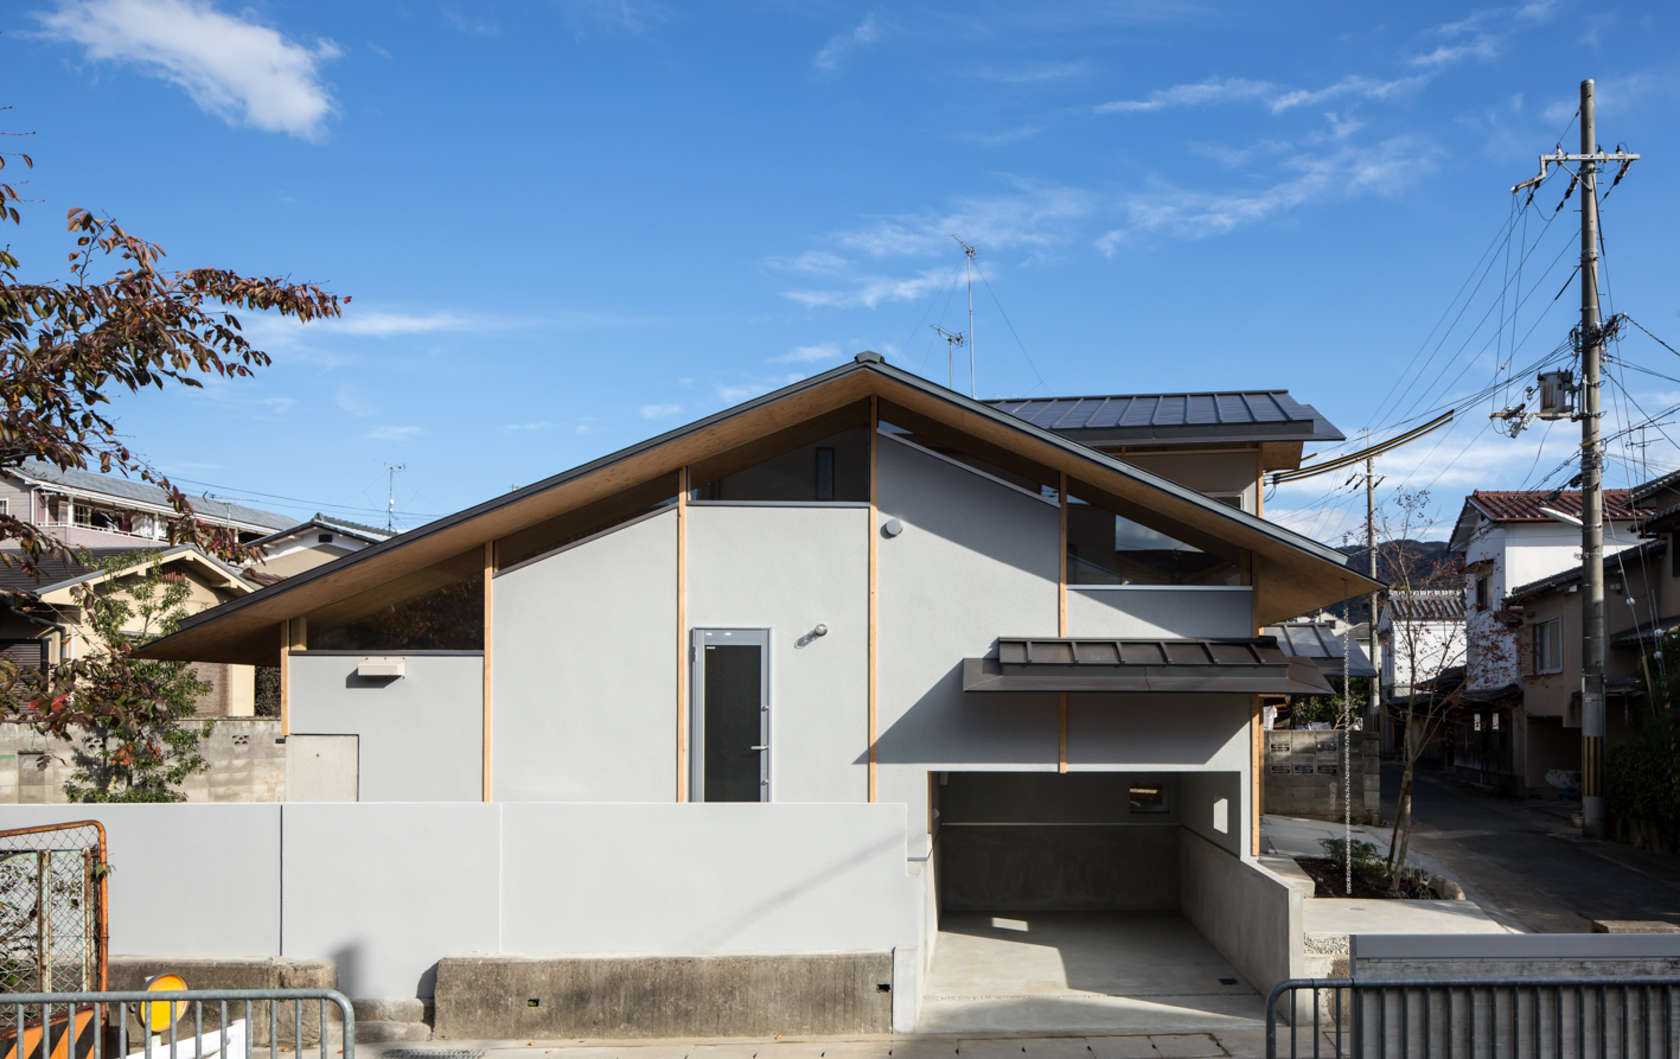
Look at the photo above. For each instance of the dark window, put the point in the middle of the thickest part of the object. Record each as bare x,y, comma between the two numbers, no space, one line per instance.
440,608
323,538
1674,554
1548,646
1148,798
825,473
1109,549
1482,592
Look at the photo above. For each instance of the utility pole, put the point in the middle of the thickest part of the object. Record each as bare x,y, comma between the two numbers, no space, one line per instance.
1593,815
1371,564
391,470
969,252
953,339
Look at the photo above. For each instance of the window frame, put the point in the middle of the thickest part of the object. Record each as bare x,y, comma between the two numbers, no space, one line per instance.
1541,631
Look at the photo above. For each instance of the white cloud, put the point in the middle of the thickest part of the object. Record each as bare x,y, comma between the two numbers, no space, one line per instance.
734,393
351,401
1619,94
809,354
841,45
660,411
231,66
1216,90
526,428
1478,47
1384,168
1024,75
813,261
623,16
1353,86
1200,93
871,291
395,433
470,24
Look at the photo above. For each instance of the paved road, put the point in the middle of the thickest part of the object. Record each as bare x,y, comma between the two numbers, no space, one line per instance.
1522,857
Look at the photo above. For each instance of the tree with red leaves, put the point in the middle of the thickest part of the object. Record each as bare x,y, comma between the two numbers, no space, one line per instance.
118,323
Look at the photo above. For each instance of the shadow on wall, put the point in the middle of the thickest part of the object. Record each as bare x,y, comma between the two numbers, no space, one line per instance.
822,874
946,724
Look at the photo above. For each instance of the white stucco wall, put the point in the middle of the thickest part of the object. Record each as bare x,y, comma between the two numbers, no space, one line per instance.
422,734
584,669
386,890
790,569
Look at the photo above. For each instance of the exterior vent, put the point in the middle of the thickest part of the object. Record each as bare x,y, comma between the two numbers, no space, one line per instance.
381,668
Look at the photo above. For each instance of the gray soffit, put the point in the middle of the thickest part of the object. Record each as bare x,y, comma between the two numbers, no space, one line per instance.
1315,642
1257,666
1230,416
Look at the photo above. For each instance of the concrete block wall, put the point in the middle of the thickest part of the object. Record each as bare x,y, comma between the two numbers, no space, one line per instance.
246,755
1304,774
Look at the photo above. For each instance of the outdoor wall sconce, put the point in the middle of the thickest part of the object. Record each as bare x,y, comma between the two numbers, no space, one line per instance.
892,528
381,668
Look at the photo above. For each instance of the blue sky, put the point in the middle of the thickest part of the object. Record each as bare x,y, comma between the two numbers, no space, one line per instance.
569,225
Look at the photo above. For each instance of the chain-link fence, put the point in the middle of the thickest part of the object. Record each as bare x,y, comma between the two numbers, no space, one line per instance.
52,911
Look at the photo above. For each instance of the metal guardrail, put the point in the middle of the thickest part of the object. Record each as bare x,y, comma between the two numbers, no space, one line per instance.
242,1024
1476,1018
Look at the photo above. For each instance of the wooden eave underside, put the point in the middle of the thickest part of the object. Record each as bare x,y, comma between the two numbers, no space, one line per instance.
1289,580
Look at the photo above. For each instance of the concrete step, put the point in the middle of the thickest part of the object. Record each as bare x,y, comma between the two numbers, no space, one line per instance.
389,1009
382,1031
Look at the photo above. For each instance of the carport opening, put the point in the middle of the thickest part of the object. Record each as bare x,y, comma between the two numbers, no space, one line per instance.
1066,888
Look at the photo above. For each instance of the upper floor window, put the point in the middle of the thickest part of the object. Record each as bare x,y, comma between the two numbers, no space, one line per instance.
1548,646
1105,548
1482,592
790,469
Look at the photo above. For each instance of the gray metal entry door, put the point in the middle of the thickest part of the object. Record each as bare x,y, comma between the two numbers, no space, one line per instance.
729,740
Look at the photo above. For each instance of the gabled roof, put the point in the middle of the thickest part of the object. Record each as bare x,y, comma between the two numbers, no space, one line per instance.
1671,480
60,574
1317,642
1513,507
358,530
118,488
1293,573
1182,418
1426,604
1524,506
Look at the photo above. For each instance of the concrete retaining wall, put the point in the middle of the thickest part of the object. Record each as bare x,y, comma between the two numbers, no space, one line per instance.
1304,775
703,996
1251,915
247,763
384,891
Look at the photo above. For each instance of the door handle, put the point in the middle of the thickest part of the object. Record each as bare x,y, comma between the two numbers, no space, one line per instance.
764,747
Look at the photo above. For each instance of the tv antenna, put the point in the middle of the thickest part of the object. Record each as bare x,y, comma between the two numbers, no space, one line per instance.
391,470
969,252
953,339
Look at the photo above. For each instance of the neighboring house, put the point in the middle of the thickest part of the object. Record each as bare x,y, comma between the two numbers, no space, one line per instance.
1422,633
309,544
88,510
948,631
1220,444
42,621
1641,602
1506,539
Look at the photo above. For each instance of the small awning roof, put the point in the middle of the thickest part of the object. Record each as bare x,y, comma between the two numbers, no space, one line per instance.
1318,643
1257,666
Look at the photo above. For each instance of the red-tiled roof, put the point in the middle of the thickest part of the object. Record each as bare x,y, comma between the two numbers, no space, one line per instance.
1514,506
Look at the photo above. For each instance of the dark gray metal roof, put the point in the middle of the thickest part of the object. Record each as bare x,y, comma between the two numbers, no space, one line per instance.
1233,415
127,489
339,525
1317,643
1257,666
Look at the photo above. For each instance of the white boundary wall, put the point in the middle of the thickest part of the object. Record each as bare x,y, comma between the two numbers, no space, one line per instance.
384,890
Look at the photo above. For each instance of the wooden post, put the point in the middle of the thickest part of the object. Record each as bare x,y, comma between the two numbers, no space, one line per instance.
1257,769
285,679
874,535
489,574
682,634
1061,613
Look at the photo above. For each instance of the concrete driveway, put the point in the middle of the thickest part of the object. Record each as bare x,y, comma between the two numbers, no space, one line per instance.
1065,971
